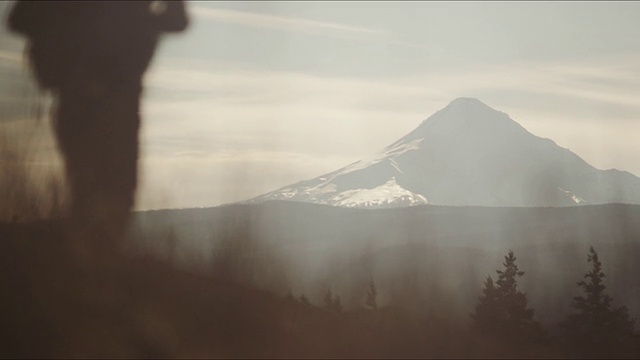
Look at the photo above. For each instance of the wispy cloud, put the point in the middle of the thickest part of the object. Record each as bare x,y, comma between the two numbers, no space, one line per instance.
611,84
301,25
292,24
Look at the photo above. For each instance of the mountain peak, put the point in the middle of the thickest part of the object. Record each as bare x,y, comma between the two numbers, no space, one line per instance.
466,101
469,106
466,116
466,154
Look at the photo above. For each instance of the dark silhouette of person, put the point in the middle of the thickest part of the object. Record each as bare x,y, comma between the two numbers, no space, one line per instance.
92,56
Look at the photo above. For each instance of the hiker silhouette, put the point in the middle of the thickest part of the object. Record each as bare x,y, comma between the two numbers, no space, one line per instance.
92,56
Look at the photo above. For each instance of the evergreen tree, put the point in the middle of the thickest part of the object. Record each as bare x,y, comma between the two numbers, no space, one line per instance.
487,308
502,309
597,329
332,303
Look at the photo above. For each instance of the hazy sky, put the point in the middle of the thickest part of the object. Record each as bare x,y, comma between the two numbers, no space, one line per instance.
257,95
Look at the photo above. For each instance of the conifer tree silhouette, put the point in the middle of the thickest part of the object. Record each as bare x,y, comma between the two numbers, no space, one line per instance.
597,329
502,310
332,303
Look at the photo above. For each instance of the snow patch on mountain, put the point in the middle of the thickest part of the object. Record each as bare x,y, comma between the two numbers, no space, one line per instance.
395,166
386,195
388,153
389,194
573,197
314,193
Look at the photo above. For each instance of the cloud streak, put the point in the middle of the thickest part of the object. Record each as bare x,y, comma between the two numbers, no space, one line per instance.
274,22
284,91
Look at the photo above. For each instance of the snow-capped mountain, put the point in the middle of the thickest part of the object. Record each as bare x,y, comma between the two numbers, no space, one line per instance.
466,154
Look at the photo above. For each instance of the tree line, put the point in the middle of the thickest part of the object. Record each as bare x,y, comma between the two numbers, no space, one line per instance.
594,329
502,323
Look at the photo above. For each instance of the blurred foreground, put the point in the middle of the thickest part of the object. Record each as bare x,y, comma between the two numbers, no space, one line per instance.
148,304
146,308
